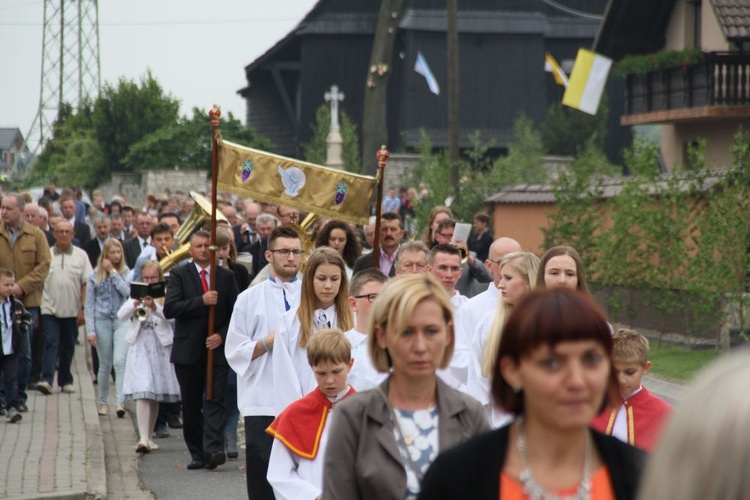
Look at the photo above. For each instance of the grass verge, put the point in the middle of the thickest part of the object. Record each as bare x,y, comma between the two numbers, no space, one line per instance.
677,363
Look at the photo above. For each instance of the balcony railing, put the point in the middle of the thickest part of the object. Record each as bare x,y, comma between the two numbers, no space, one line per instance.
719,80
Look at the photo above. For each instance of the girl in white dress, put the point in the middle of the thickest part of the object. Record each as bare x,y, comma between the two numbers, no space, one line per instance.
149,376
323,305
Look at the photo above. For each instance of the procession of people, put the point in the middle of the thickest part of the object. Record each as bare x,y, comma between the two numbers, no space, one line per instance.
419,367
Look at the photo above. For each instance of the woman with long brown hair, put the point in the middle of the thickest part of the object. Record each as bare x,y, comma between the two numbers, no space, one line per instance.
323,305
339,236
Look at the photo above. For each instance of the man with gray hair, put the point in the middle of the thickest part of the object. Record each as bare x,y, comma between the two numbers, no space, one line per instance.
411,258
93,247
31,214
25,251
265,223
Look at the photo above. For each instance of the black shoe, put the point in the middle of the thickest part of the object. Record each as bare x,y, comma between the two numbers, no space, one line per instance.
174,422
161,431
196,464
232,455
215,460
23,408
3,411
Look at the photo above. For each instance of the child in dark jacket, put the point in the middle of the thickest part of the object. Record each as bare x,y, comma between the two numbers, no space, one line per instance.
14,323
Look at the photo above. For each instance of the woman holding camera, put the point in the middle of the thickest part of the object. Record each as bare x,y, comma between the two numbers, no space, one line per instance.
149,376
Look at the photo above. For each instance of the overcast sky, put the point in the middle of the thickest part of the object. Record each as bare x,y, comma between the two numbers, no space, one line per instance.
196,49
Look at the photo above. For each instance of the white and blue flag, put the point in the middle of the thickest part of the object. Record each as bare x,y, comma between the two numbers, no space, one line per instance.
423,69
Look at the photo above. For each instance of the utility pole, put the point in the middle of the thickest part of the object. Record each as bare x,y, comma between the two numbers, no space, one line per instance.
453,99
70,68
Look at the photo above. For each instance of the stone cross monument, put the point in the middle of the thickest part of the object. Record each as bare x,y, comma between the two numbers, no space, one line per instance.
334,142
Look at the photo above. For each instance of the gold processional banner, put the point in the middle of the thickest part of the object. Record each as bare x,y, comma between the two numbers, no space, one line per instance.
284,181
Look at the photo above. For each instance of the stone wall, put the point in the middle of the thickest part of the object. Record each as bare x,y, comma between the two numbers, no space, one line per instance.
399,171
135,187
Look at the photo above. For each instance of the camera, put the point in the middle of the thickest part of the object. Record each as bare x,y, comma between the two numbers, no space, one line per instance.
22,318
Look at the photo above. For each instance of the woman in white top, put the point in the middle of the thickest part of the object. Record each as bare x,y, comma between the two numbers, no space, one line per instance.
518,272
323,305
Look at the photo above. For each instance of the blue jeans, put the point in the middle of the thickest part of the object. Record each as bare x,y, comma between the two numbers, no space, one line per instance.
112,349
59,348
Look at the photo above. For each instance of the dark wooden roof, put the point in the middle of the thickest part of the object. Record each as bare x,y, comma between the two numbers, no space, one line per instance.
734,18
8,136
633,27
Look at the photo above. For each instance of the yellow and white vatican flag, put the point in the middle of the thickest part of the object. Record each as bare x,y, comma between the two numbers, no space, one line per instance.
285,181
551,66
587,81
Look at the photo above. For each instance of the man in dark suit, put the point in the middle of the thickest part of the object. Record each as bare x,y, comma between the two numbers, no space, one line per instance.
391,233
187,301
81,232
116,230
94,247
133,247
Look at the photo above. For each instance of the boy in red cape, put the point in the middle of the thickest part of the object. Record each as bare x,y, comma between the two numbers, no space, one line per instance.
295,469
639,418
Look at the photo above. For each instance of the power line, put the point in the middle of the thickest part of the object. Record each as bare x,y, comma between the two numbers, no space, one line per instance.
572,11
167,23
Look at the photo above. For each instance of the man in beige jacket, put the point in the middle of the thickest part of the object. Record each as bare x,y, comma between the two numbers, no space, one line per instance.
24,250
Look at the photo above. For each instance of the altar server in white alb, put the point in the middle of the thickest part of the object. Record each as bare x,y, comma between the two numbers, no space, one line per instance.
323,305
302,429
363,291
250,351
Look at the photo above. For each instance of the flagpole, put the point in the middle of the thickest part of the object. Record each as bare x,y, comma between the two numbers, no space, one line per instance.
215,115
382,156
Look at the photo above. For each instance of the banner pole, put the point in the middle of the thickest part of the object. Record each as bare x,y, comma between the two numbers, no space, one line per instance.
382,156
215,115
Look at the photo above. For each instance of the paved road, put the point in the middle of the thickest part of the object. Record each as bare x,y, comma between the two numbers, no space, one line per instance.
668,391
164,472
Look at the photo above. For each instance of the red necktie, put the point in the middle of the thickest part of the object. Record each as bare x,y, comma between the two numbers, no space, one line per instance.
203,280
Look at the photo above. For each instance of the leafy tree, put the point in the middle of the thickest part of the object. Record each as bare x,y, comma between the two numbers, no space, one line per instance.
433,169
72,155
592,161
525,161
642,158
315,150
186,144
568,131
128,112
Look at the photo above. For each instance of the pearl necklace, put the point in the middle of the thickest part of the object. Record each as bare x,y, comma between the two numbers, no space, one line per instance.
535,491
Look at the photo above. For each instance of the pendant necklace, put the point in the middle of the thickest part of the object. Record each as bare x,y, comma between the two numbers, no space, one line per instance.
535,491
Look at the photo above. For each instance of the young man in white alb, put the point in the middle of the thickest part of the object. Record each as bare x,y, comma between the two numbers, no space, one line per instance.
249,351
